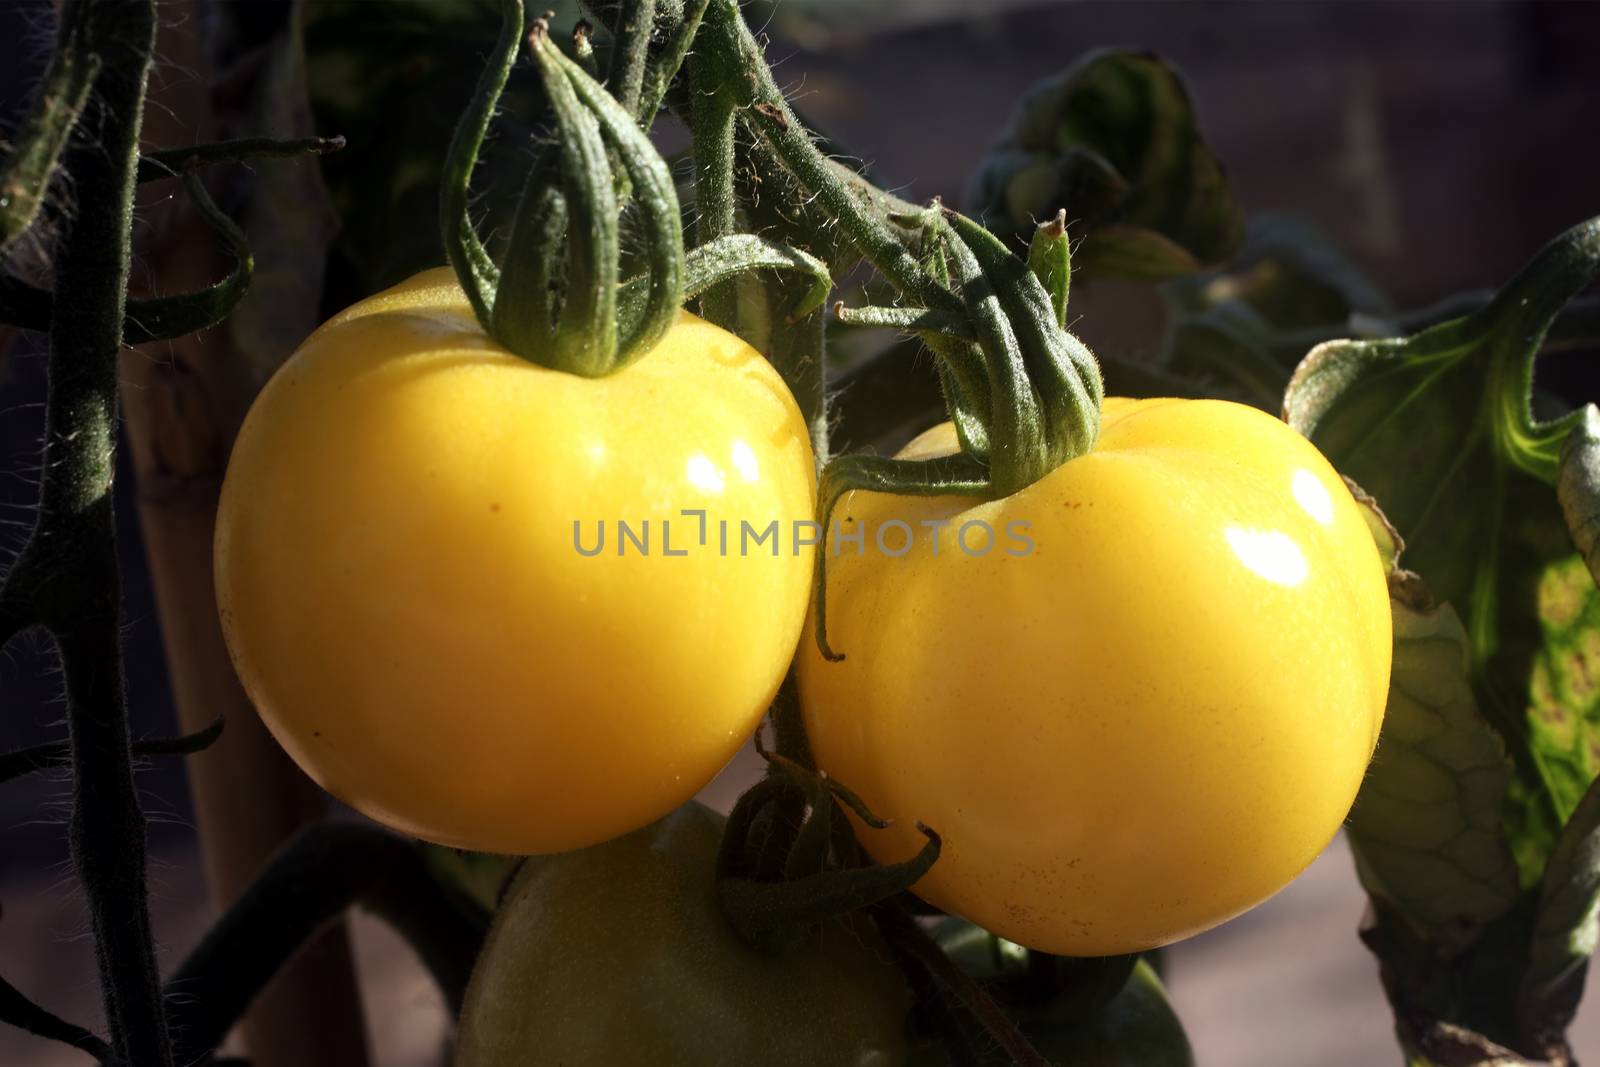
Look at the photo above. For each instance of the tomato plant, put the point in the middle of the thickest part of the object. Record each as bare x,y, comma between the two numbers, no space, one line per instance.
427,592
514,555
619,954
1119,748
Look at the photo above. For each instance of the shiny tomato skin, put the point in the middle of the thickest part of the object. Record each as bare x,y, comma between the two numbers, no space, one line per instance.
1146,722
402,591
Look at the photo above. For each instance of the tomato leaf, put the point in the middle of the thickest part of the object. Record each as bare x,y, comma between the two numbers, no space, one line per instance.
1116,142
1426,828
1438,427
1484,907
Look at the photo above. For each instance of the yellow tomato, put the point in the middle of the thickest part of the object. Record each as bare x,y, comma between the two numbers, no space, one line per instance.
408,582
1144,709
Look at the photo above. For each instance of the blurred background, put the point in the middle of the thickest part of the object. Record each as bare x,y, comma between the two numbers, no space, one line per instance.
1437,145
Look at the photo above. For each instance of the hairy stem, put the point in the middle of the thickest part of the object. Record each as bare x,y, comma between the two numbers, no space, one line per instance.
626,77
66,576
711,112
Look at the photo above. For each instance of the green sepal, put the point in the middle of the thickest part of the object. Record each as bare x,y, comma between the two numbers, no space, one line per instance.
1017,414
1062,371
654,201
775,883
585,341
1050,259
474,269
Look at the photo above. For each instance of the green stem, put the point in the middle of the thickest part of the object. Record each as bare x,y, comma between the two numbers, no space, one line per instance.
711,112
909,320
631,49
59,753
170,162
735,48
661,73
798,349
158,318
17,1010
319,874
68,568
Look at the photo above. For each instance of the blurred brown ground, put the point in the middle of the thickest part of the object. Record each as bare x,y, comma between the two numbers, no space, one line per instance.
1439,143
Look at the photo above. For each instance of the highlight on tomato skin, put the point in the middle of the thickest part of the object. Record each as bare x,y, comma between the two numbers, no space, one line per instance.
1144,718
408,579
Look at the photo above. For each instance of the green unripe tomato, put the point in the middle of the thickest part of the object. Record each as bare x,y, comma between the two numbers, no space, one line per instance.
618,955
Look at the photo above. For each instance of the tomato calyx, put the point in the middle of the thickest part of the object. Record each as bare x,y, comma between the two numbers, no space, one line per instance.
558,299
789,862
1024,394
789,866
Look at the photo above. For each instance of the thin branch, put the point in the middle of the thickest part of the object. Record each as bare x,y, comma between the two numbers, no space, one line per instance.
59,753
903,933
66,576
17,1010
309,883
175,162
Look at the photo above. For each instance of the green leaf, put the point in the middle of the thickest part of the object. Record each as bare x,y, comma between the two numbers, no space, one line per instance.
1426,828
1566,928
1115,141
1437,426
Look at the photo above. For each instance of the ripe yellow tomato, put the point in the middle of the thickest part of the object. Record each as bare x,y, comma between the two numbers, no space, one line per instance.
408,579
1144,709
